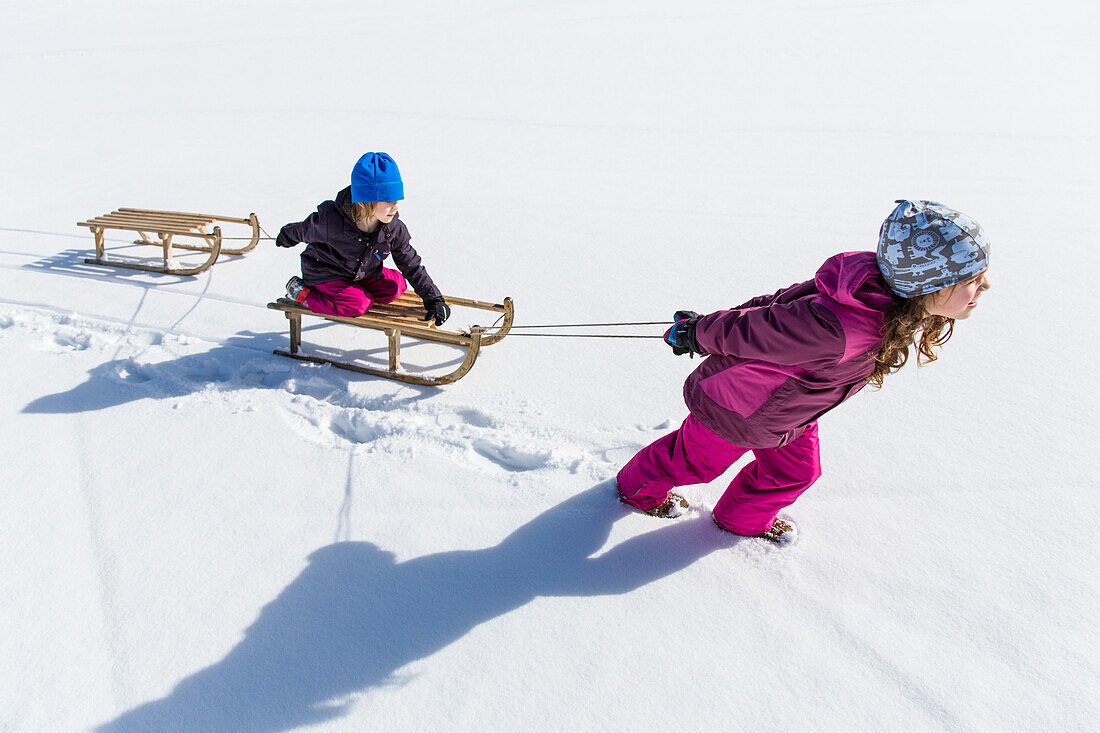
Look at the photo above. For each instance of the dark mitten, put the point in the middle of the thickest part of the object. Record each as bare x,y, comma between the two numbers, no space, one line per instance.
438,309
681,337
283,240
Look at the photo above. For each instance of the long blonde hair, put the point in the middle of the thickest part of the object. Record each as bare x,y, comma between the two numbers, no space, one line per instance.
360,211
907,323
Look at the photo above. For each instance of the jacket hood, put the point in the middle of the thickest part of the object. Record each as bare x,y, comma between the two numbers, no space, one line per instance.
853,279
342,200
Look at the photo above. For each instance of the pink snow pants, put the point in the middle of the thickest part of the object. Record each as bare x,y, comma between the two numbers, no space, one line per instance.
695,455
341,298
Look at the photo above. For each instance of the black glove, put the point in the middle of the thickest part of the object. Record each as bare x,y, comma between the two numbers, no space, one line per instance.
283,240
438,309
681,337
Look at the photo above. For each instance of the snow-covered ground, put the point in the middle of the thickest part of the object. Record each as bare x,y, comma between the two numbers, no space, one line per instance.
201,535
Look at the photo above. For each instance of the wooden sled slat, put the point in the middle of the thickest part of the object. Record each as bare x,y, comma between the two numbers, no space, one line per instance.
402,324
158,228
230,219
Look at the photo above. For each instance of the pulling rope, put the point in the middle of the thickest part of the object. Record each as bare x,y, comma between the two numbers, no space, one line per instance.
595,325
588,335
511,331
266,236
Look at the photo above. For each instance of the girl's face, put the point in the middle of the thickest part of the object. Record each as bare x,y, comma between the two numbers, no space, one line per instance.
384,211
958,301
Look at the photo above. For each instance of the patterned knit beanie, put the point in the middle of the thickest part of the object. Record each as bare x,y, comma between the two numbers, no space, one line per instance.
924,246
376,178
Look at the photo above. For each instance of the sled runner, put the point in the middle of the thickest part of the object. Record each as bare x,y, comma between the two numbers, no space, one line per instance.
165,226
402,317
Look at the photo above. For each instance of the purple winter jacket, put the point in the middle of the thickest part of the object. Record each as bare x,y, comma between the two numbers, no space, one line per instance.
779,362
338,250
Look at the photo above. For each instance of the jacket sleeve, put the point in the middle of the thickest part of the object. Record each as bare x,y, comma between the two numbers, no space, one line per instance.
408,262
791,333
304,231
783,295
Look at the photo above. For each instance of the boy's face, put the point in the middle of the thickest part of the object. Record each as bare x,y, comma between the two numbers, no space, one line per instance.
958,301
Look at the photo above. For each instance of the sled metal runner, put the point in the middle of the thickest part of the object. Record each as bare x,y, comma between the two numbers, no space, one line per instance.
161,228
402,317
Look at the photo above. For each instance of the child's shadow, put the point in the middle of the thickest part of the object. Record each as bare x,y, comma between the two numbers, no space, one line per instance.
355,615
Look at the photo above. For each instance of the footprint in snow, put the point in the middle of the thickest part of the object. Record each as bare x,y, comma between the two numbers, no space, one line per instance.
131,371
72,341
145,338
204,370
511,458
315,387
356,428
475,418
618,456
260,371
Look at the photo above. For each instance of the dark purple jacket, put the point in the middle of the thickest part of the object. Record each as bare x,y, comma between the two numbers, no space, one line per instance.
779,362
339,251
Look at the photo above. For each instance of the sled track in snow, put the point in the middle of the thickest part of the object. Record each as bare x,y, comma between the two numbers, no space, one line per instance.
324,406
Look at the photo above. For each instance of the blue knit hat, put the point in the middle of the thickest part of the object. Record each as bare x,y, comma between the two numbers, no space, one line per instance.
375,178
924,246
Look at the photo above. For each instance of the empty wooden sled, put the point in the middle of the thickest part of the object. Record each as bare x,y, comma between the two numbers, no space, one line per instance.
402,317
165,227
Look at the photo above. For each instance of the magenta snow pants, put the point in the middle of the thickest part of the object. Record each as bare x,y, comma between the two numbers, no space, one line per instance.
341,298
695,455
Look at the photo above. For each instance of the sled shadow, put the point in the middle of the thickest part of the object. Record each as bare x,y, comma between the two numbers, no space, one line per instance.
73,262
356,616
244,361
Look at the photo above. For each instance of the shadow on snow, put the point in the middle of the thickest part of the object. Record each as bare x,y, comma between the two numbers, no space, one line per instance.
355,616
244,361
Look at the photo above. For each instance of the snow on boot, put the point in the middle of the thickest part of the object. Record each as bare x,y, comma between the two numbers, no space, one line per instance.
672,507
782,532
296,289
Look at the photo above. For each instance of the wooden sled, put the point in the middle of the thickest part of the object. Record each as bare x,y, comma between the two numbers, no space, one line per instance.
402,316
166,226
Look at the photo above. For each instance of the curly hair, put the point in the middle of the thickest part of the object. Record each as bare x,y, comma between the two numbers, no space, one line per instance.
906,324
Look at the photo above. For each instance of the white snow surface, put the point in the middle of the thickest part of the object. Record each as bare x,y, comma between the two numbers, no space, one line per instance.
200,535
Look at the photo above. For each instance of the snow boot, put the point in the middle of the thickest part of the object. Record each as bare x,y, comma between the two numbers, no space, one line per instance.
782,532
296,289
671,508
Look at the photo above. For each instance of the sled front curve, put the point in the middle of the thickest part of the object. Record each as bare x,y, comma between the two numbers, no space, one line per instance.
410,307
401,317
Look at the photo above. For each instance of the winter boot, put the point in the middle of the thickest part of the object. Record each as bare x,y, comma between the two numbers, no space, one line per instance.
782,532
296,289
672,507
